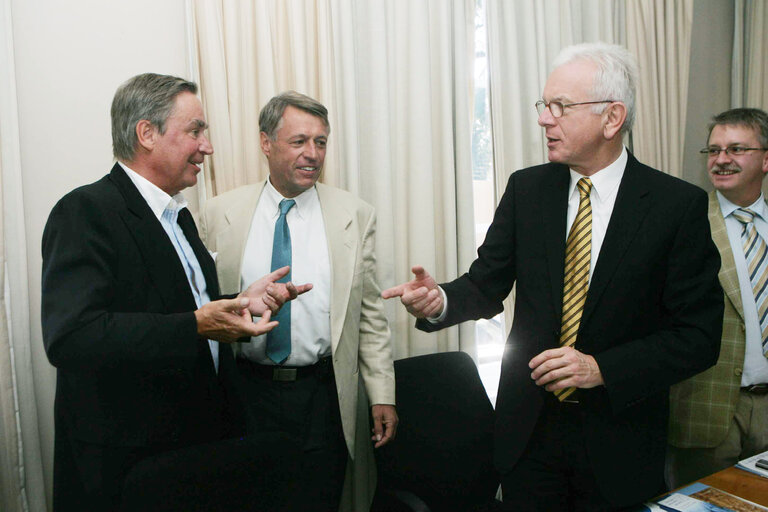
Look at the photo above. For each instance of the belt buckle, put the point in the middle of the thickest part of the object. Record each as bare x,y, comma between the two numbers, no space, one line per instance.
284,374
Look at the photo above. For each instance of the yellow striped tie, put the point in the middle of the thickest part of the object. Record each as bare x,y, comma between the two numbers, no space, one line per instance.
756,254
578,251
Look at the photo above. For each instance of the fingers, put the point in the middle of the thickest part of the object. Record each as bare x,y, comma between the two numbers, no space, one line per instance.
395,291
385,422
303,288
264,324
278,274
564,367
419,272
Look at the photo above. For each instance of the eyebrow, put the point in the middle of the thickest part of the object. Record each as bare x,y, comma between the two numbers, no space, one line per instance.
198,123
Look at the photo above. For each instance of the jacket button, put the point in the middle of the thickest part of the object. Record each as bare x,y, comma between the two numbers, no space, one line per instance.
737,372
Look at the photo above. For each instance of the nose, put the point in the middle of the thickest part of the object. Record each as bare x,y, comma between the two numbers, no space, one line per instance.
546,118
311,151
723,158
206,147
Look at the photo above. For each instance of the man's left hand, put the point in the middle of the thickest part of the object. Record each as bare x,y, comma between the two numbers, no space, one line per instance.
565,367
384,424
267,293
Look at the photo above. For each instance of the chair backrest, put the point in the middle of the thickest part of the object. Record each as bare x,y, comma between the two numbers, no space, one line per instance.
443,452
252,474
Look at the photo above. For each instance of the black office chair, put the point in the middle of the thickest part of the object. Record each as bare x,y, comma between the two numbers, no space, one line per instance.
252,474
442,458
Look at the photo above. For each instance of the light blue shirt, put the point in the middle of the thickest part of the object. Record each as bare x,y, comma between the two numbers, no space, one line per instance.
755,363
166,209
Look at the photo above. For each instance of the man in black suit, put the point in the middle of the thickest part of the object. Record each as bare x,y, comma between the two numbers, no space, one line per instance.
604,323
129,311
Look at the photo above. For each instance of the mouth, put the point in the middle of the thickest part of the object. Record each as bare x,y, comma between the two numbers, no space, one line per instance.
308,169
724,172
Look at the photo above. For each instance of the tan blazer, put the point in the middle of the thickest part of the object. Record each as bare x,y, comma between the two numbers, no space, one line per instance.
701,408
360,339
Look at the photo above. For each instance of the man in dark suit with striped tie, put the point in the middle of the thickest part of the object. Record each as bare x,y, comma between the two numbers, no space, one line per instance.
617,299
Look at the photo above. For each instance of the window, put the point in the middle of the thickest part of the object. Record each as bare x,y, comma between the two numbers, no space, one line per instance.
489,334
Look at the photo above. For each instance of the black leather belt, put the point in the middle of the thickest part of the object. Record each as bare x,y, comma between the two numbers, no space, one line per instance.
322,368
756,389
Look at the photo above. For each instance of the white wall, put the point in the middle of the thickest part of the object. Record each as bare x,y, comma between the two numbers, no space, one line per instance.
70,57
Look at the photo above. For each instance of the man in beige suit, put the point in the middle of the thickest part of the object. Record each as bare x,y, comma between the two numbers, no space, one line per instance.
335,357
721,415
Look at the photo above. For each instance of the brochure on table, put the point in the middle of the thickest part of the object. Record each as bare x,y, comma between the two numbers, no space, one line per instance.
749,464
699,497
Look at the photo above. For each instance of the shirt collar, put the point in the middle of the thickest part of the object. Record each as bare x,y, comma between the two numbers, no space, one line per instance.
303,200
157,199
727,207
605,182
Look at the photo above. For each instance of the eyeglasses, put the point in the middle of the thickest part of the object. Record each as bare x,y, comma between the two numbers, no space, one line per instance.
714,151
556,108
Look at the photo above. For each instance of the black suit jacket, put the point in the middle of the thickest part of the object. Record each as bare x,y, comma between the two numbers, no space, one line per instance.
118,324
652,317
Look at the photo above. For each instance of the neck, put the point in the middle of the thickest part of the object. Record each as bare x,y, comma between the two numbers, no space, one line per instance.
604,157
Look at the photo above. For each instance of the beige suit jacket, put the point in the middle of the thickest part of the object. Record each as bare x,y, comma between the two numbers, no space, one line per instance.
360,339
701,408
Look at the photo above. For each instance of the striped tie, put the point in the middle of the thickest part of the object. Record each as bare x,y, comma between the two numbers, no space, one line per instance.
757,263
578,251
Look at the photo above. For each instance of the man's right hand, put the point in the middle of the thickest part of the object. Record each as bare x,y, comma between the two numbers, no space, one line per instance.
228,320
421,296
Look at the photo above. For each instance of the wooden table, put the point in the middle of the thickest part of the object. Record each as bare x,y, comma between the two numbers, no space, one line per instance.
740,483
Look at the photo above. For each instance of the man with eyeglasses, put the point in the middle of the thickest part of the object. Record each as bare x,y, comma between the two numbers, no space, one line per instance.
617,299
721,415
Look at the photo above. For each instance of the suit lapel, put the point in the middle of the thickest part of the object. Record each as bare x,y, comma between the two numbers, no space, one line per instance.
729,279
160,257
554,220
187,224
629,211
342,248
232,239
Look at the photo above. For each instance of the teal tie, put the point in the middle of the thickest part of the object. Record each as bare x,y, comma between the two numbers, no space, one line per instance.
756,254
279,338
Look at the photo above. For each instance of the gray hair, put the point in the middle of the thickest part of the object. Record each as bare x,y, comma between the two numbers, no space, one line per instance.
271,116
615,78
750,117
148,96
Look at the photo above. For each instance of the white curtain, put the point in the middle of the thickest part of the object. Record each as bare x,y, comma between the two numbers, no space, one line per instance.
524,37
21,475
750,55
395,78
659,35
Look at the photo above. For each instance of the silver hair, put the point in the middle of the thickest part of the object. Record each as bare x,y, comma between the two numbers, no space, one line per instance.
147,96
616,76
271,116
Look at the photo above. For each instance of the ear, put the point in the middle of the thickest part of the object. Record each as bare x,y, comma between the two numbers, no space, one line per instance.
266,144
765,162
146,134
613,119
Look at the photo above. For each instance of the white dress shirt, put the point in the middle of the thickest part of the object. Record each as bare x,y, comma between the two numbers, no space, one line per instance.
166,209
755,363
310,312
605,185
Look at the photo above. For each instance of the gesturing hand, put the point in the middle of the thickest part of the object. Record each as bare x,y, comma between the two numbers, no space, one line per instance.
229,319
267,294
420,296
